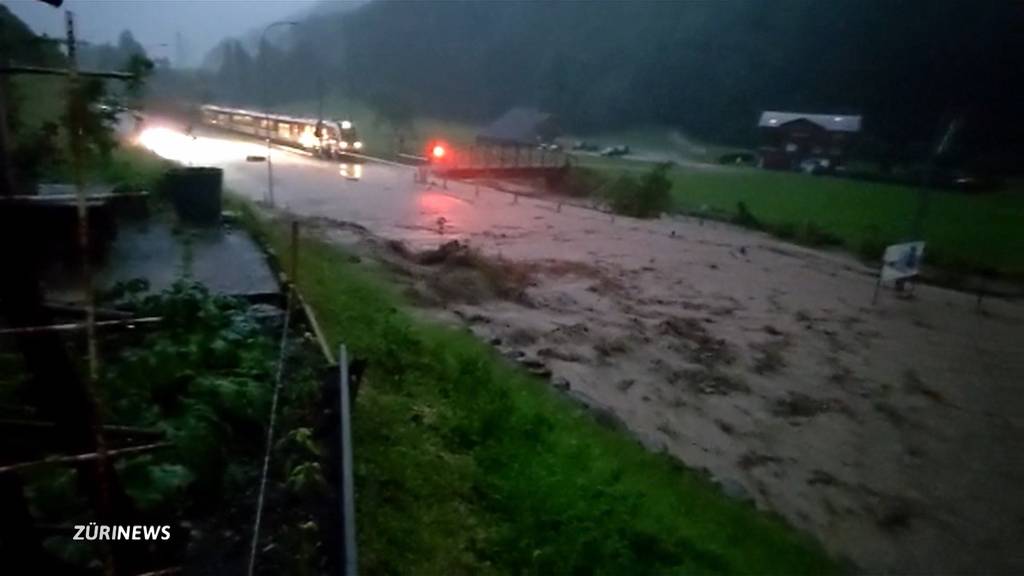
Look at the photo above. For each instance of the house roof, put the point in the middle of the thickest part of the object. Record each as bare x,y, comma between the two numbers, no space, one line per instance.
520,125
830,122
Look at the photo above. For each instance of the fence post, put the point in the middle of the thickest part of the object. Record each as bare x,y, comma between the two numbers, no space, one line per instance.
295,253
347,496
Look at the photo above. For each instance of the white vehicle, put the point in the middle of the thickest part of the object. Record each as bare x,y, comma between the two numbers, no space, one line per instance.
327,138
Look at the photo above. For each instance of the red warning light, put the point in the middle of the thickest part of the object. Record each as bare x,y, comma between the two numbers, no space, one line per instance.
438,151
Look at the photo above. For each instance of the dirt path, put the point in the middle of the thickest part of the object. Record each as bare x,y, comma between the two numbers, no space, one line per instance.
892,432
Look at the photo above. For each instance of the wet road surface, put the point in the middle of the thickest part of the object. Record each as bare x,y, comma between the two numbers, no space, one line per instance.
383,197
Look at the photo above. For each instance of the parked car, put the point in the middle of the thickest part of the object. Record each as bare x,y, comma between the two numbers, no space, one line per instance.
617,150
738,158
816,166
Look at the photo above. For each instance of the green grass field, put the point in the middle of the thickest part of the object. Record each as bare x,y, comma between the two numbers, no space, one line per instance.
466,465
963,231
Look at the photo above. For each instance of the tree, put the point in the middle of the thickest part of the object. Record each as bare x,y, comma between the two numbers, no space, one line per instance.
92,119
128,47
397,113
706,68
141,68
237,72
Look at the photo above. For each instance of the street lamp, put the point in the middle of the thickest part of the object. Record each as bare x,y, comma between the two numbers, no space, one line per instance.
266,105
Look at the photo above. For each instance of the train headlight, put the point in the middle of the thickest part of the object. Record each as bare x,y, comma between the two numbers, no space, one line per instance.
308,140
346,125
343,145
358,145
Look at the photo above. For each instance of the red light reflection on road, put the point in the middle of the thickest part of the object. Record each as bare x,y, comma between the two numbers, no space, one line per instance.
436,203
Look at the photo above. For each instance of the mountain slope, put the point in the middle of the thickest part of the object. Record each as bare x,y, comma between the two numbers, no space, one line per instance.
707,67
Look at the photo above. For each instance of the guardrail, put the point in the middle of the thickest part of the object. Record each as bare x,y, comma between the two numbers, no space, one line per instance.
494,156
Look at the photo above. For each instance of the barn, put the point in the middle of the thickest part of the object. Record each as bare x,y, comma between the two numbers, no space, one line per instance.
790,138
520,127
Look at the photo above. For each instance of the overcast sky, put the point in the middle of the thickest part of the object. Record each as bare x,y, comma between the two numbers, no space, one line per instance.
202,23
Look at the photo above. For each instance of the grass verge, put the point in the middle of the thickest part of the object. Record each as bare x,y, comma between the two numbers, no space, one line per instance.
131,167
464,464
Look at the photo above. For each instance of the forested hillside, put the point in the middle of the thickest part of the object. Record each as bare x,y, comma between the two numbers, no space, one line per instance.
19,45
705,67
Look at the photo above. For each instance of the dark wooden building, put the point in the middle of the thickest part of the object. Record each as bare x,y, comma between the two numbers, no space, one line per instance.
520,127
791,138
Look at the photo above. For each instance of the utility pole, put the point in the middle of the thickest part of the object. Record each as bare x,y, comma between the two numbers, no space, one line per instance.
924,198
77,152
75,113
319,98
266,104
179,50
7,180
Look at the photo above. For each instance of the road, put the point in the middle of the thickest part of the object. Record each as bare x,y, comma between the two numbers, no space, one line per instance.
379,195
892,432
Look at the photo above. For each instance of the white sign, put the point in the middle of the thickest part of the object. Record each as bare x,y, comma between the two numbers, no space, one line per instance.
902,261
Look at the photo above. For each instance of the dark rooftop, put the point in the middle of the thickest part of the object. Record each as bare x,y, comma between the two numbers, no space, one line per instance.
519,126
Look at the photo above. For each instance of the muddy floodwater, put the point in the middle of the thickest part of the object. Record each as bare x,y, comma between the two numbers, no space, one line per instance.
892,432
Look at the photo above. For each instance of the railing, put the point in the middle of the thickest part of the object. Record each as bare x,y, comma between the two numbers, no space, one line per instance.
488,157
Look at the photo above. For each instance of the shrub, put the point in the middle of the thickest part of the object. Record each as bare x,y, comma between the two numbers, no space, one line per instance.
647,198
814,235
786,230
581,181
744,217
202,378
872,246
871,249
